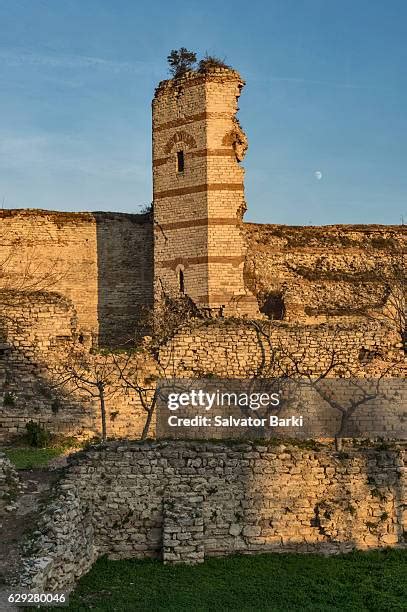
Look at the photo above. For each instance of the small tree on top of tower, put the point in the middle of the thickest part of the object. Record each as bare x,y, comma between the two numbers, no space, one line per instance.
180,61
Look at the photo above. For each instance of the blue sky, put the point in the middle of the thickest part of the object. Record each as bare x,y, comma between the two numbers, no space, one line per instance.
326,93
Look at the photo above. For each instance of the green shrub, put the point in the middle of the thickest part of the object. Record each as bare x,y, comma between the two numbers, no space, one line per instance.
209,62
37,435
55,406
9,399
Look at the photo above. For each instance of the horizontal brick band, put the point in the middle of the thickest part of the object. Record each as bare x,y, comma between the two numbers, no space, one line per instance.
216,297
190,119
205,222
198,189
204,259
199,153
221,297
211,153
161,161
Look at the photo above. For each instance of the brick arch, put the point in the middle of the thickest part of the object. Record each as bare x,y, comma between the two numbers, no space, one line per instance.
183,137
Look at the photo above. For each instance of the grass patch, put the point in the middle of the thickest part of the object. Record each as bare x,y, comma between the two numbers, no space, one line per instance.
27,458
358,581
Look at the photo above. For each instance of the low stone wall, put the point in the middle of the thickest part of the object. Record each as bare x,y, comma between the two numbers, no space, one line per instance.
186,501
63,547
10,484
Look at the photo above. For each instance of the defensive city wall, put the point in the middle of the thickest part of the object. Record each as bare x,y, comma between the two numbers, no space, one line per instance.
85,277
103,264
85,280
184,502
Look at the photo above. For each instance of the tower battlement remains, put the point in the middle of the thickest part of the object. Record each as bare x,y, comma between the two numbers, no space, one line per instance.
198,188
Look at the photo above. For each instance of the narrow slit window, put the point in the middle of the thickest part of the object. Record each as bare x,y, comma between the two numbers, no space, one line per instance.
180,161
181,282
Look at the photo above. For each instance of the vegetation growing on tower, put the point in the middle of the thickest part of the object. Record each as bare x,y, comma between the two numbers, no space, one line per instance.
182,60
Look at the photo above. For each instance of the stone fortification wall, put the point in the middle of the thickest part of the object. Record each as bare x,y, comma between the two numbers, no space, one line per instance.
101,262
43,327
324,272
38,332
70,276
123,500
10,485
371,356
235,349
36,324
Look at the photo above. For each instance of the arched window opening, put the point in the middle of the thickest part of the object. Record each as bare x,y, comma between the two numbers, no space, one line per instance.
181,281
180,161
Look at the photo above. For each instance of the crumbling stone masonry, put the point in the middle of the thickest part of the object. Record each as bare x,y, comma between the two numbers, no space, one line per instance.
326,273
121,499
39,330
10,485
42,327
233,348
198,191
83,278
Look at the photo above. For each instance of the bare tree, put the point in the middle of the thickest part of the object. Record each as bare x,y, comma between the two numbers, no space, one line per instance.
94,374
21,269
145,388
394,281
155,330
295,364
171,313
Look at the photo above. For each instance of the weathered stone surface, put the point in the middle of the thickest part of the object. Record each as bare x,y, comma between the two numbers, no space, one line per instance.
93,271
198,207
331,502
10,485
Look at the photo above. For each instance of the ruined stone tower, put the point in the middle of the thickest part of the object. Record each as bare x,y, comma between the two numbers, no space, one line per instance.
199,192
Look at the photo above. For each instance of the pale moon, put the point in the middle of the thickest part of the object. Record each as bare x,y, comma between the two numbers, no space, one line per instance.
318,175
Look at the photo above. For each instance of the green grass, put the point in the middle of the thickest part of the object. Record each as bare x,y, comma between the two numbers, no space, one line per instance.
27,458
281,582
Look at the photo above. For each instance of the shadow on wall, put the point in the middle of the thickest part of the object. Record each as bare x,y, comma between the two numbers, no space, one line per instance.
193,500
38,329
27,393
125,274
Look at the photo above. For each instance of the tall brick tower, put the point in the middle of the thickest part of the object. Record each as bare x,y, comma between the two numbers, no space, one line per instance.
199,192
